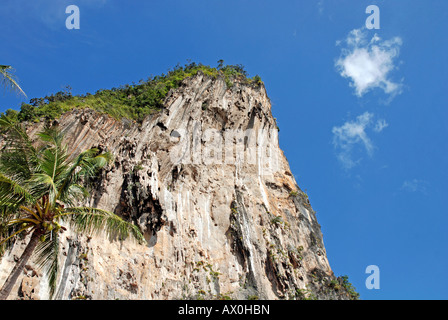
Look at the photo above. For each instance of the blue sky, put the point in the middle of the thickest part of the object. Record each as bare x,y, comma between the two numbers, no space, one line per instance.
362,112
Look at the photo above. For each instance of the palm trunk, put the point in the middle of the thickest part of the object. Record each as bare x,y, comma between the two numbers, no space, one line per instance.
18,268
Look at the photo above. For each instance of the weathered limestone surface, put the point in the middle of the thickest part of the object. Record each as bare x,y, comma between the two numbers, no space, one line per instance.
207,183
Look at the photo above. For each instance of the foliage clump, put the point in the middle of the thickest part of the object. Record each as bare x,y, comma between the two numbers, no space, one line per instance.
132,101
351,290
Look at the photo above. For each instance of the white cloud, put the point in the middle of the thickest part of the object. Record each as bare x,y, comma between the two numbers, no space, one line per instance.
351,138
350,134
368,63
380,125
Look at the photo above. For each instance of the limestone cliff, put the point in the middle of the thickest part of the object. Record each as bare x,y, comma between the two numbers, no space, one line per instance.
207,183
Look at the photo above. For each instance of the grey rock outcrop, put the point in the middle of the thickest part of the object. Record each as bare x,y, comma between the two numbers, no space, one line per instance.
207,183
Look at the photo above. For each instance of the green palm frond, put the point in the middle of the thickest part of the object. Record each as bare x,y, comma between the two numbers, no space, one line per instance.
91,220
7,231
54,155
93,162
8,79
13,193
15,165
42,183
52,135
18,155
85,165
74,193
53,163
47,253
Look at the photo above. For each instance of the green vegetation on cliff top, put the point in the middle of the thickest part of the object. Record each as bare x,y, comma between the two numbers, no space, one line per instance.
134,101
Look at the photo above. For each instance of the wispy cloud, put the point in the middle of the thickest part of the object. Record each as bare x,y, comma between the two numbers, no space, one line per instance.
380,125
352,137
415,185
320,6
368,64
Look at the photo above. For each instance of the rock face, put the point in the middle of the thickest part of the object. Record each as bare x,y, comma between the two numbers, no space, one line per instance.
207,183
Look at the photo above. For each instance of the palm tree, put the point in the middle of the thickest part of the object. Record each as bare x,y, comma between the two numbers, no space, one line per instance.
8,80
39,189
